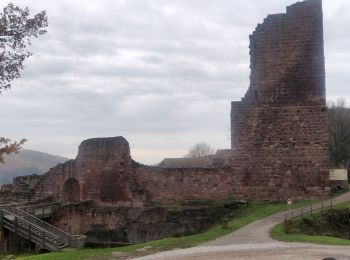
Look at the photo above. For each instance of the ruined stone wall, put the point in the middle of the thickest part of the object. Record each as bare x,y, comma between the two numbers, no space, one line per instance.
101,172
280,128
52,183
9,196
175,185
81,218
279,134
287,58
25,183
104,167
138,224
105,173
145,185
21,190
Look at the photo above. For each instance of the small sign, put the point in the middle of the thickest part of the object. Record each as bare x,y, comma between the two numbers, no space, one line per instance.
338,174
289,202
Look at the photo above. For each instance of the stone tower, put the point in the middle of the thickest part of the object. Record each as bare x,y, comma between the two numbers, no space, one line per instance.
280,128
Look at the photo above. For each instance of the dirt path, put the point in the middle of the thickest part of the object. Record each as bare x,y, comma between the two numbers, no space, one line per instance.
254,242
258,231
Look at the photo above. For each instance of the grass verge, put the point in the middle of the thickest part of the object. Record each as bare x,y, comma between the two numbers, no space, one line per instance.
252,212
278,233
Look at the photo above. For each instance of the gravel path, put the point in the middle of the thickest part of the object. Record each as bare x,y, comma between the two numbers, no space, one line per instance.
258,231
267,251
254,242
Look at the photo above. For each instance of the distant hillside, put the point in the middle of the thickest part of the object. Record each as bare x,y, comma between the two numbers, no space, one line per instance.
27,162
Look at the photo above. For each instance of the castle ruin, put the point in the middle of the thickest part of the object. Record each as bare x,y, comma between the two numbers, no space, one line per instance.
279,143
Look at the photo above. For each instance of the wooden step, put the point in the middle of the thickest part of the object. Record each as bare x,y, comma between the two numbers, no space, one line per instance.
37,230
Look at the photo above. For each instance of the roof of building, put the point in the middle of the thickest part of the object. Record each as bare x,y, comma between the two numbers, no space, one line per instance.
200,162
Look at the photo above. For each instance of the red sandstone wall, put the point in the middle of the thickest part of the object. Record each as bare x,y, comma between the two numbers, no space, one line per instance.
174,185
52,182
279,133
280,129
136,225
102,172
69,218
105,173
287,58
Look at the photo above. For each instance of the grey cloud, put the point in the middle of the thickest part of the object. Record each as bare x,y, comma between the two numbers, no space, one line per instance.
160,72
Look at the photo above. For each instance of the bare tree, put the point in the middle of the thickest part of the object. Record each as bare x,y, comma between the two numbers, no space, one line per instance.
339,132
16,30
200,150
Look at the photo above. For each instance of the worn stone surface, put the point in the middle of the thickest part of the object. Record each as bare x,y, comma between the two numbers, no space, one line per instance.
279,134
280,128
105,173
102,171
174,185
279,139
121,224
25,183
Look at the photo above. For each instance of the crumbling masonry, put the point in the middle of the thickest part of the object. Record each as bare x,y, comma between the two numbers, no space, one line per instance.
279,141
280,128
279,134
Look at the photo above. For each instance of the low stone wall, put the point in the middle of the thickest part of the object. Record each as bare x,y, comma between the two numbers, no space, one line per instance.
138,224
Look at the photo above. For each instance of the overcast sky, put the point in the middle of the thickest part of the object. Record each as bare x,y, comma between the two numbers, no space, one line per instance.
161,73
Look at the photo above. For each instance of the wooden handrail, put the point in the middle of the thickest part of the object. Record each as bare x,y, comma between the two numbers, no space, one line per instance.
16,219
309,209
34,220
30,231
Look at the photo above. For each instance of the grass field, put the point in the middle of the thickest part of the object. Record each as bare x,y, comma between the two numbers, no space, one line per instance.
248,214
278,234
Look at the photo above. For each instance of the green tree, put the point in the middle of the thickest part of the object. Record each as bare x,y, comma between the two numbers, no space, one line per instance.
17,28
339,132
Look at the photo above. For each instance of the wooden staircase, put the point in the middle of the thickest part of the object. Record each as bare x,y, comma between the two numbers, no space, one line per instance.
25,221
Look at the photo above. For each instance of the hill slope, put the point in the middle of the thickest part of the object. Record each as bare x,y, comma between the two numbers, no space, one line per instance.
27,162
